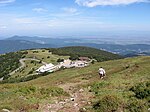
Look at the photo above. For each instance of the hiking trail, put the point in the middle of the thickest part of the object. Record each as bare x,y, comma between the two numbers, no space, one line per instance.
79,97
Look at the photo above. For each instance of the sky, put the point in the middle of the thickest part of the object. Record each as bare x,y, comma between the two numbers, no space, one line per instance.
79,18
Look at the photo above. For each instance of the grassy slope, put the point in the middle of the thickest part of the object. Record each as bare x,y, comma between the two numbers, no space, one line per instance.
48,57
41,55
119,79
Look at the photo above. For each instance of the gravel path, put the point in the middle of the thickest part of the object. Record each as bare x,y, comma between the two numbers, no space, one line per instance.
24,65
79,97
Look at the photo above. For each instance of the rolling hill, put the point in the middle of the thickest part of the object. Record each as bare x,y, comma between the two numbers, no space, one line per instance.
40,42
49,55
125,88
97,54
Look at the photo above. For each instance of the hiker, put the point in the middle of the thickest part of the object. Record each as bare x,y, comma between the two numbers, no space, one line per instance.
102,72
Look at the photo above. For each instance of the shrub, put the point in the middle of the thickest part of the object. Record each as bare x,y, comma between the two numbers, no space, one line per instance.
6,77
53,91
30,72
96,87
141,90
40,61
26,90
93,62
60,60
135,105
32,61
108,104
35,51
74,57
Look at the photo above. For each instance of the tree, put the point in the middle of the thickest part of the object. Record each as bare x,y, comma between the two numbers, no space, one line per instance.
74,57
60,60
93,62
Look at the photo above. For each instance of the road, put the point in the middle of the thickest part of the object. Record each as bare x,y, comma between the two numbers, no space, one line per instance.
24,65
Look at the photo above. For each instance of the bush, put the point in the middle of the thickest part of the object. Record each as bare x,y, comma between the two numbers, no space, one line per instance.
35,51
135,105
40,61
60,60
32,62
74,57
96,87
31,72
108,104
52,91
141,90
26,90
93,62
6,77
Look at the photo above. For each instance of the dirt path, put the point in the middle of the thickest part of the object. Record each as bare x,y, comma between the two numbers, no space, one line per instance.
23,65
79,97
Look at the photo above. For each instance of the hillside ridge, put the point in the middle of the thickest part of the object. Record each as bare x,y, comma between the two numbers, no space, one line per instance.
79,89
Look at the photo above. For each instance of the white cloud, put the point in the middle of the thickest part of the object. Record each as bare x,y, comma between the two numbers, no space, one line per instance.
24,20
93,3
70,10
6,1
3,27
39,10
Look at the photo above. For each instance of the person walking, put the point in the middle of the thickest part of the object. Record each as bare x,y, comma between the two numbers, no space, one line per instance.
102,72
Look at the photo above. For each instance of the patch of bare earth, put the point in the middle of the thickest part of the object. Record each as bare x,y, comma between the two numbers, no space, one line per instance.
79,97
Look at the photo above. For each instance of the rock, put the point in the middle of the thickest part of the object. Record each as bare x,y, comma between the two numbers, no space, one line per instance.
89,103
72,99
89,87
83,101
72,95
75,95
66,100
62,103
76,104
56,102
6,110
81,90
84,109
49,106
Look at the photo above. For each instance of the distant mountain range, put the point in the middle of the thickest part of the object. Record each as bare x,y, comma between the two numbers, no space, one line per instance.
16,43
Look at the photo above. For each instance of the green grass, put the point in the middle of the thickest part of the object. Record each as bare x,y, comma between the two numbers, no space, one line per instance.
25,71
32,66
44,55
122,75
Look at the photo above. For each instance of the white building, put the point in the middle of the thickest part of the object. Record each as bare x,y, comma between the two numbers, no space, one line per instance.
69,64
80,63
46,68
66,64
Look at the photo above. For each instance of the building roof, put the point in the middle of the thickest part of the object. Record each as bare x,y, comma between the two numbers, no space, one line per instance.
46,67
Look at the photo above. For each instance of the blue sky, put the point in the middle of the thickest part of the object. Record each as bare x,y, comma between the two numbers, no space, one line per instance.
81,18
